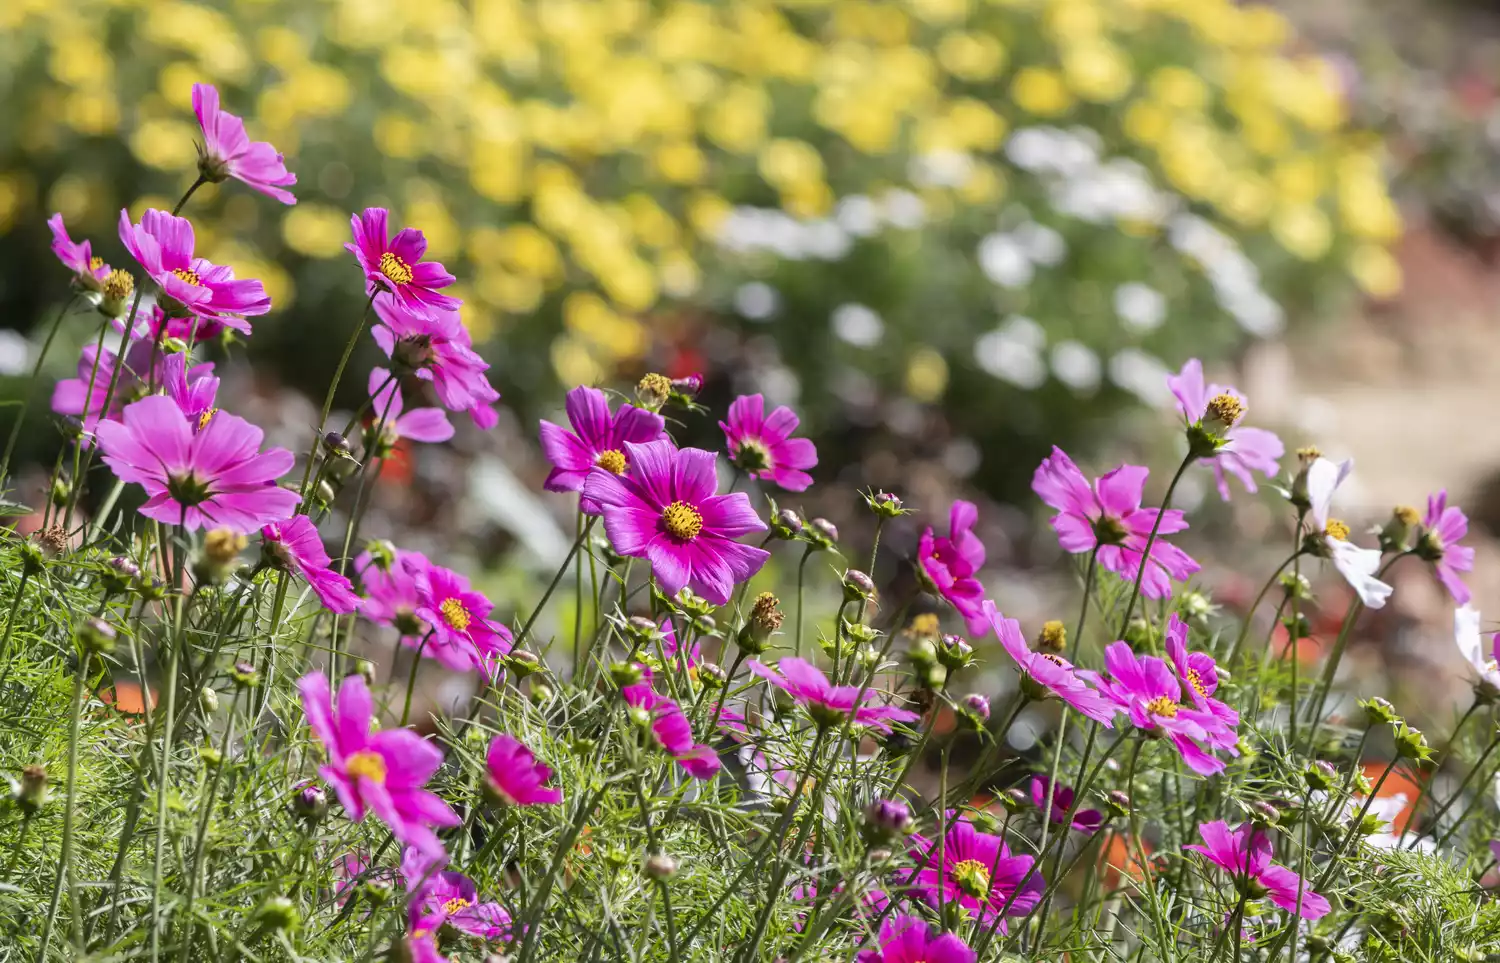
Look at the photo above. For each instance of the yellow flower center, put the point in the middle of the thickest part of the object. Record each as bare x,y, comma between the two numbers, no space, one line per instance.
455,614
187,277
682,521
1310,453
1226,409
206,417
1407,515
455,904
366,765
119,284
393,267
611,460
973,877
95,263
1162,706
1195,680
1337,530
1054,635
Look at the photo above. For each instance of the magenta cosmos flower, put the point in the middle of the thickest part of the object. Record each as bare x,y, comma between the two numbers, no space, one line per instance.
392,595
163,244
1049,674
665,509
395,265
1246,855
909,939
1147,690
295,546
214,477
441,898
227,151
83,397
671,730
515,777
763,447
952,562
977,871
1085,820
382,771
1443,527
827,703
438,350
598,439
90,271
1200,674
1107,515
460,634
1212,412
429,425
193,389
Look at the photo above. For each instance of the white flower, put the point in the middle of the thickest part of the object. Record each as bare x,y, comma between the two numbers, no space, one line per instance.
1471,643
1357,565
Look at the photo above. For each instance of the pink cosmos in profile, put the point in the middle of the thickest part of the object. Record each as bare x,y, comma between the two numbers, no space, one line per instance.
381,771
1147,690
762,445
1470,639
440,897
392,595
1358,566
395,265
227,151
952,562
909,939
1199,673
598,439
515,776
429,425
1085,821
1054,675
1443,527
828,704
193,389
978,871
665,508
671,730
90,271
460,634
1107,515
1216,409
295,546
163,244
217,477
1246,855
438,350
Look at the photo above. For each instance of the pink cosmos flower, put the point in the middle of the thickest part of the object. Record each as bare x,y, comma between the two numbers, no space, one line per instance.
216,477
671,730
1246,855
1199,673
446,898
419,424
1052,673
977,871
163,244
1443,527
733,723
420,948
152,323
665,509
598,438
515,775
438,350
193,389
296,546
1244,450
951,564
395,265
392,595
83,397
460,634
382,770
78,258
763,445
1108,515
827,703
1086,821
1147,690
909,939
227,151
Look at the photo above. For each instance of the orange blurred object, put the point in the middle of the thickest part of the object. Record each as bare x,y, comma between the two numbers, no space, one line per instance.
125,696
1117,855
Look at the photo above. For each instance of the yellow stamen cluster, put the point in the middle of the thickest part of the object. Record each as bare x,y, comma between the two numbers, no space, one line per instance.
95,263
1406,515
654,389
455,614
611,460
221,545
1053,637
924,626
455,904
682,521
1162,706
366,765
973,877
206,417
119,285
1336,529
1308,454
1225,409
1195,679
188,277
394,268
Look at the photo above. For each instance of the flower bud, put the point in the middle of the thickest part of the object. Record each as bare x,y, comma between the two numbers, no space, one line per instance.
858,586
687,387
1320,775
523,663
97,637
118,573
705,625
276,914
244,675
923,652
1263,813
1412,744
955,652
208,701
377,891
979,705
654,390
885,505
310,801
1379,711
712,675
1013,800
1397,534
1117,803
786,524
822,533
692,603
1053,637
887,818
61,491
1298,494
985,823
335,445
211,756
660,866
541,693
765,621
34,790
152,589
623,674
933,677
365,669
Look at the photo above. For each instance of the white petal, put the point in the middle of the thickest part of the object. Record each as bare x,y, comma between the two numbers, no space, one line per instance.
1466,634
1358,566
1323,477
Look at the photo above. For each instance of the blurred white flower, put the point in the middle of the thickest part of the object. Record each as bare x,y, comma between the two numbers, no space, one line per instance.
1041,243
15,352
1004,261
941,168
756,300
858,325
1141,374
1140,306
858,215
1076,365
1012,352
904,210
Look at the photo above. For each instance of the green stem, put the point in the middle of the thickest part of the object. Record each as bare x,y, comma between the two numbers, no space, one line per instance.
65,863
1416,807
801,584
411,677
1478,767
333,387
1239,640
531,922
36,373
10,618
1166,502
1325,684
661,884
205,816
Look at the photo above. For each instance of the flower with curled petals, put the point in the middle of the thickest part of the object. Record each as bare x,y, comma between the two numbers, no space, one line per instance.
598,439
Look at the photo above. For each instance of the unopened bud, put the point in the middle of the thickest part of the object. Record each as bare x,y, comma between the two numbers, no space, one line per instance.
623,674
885,504
1397,533
660,866
823,533
654,390
523,663
1320,775
1412,744
687,387
1379,711
923,652
34,790
118,574
978,706
1117,802
1263,813
208,701
244,674
858,586
310,802
152,589
276,914
888,817
786,524
712,675
541,693
335,445
97,636
955,652
211,756
1013,800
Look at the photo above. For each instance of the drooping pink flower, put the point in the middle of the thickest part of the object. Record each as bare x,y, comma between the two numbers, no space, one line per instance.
90,271
217,477
227,151
460,634
163,244
763,447
1243,450
829,704
440,897
1443,527
952,563
1052,673
1147,690
1086,821
683,658
1108,515
382,771
438,350
395,422
977,871
394,265
296,546
152,323
665,509
671,730
1199,674
193,389
909,939
515,776
1246,855
391,593
598,438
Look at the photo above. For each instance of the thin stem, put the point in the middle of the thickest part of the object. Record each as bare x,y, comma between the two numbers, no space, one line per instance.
10,618
556,579
661,884
530,924
1416,807
1166,502
1325,684
1484,757
1239,639
411,676
801,584
65,864
36,372
333,387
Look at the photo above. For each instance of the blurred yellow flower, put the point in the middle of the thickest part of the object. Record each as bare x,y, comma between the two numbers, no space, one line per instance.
1303,230
926,375
1040,91
315,229
1375,271
165,144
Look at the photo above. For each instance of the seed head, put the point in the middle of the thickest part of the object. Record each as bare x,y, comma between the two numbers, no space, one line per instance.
34,791
660,866
222,545
654,390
